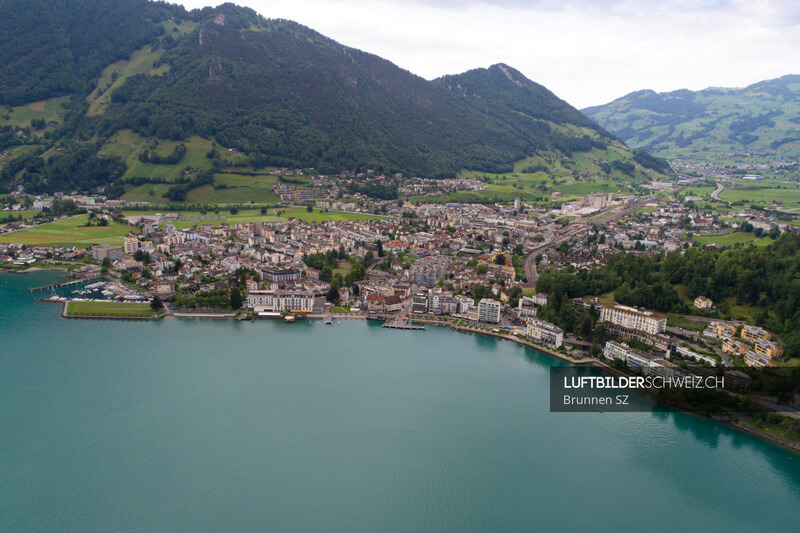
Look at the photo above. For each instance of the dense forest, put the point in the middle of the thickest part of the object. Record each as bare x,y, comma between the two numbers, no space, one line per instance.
278,92
78,168
58,47
765,278
288,96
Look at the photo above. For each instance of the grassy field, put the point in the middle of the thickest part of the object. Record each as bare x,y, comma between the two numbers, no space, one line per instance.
239,190
124,309
141,62
49,110
343,268
26,213
788,196
678,321
746,312
731,239
501,187
189,219
321,216
700,190
128,145
69,232
607,298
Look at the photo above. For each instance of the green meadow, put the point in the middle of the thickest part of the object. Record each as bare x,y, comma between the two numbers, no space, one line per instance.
69,232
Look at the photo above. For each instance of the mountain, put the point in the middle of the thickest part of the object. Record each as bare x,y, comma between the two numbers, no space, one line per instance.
277,92
57,47
762,119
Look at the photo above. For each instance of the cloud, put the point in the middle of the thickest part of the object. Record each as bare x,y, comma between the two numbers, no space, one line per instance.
586,51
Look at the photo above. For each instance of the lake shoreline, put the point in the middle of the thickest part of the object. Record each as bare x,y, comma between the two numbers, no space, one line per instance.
585,361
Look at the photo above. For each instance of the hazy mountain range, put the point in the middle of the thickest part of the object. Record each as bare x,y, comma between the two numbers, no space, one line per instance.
763,118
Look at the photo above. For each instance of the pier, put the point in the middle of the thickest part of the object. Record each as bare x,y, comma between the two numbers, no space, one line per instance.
64,284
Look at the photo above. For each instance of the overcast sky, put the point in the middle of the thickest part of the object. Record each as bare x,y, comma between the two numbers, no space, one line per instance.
588,52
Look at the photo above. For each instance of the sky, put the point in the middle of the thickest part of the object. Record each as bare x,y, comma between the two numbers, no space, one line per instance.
588,52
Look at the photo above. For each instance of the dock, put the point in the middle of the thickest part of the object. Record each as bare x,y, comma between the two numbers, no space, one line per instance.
64,284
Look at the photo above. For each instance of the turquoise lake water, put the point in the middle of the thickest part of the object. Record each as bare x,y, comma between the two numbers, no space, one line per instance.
214,425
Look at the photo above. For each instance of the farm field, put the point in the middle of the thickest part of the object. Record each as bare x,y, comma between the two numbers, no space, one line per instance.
732,238
699,190
539,185
239,190
128,145
787,196
124,309
25,213
68,232
189,219
47,110
321,216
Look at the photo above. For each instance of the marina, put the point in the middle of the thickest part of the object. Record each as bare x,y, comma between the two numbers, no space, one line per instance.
61,285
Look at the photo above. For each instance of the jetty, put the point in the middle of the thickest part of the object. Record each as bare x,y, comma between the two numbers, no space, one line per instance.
59,285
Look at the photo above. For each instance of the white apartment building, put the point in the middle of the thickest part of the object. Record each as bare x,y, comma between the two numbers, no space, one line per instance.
633,319
616,350
280,301
545,333
489,311
131,245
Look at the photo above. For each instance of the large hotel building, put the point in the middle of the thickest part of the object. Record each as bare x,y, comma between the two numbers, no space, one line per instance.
635,324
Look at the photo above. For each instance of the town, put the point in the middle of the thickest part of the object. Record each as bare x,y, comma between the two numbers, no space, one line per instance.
470,266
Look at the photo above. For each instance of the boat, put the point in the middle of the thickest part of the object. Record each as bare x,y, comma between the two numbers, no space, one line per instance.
288,318
329,321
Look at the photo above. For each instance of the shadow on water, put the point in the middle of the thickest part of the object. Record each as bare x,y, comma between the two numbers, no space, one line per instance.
486,343
708,432
705,431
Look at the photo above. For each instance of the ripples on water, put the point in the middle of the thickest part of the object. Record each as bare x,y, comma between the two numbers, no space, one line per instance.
189,424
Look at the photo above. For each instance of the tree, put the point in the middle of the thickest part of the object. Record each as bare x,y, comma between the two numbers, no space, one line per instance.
586,328
156,303
332,295
106,262
310,208
753,293
236,298
326,274
481,269
263,210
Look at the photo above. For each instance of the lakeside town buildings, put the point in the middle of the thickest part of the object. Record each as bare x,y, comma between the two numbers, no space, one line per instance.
427,258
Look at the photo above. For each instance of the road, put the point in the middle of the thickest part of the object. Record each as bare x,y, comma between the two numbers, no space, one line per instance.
718,191
529,265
